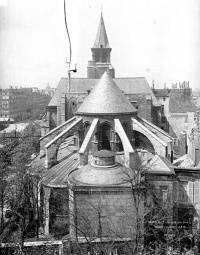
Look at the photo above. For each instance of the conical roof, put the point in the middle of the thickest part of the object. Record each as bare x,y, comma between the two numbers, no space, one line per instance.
106,99
101,39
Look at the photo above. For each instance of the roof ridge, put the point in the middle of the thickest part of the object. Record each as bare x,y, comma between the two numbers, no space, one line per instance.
131,77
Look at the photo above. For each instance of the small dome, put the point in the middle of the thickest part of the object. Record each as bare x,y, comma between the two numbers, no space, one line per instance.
106,99
92,175
104,158
104,154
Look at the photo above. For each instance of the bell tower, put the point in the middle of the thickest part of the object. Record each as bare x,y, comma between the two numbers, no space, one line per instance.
100,55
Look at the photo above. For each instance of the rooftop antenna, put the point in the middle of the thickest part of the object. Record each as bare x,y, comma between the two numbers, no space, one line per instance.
70,51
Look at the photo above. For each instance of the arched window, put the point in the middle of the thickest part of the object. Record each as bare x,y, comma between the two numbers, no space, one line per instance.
105,136
119,146
86,128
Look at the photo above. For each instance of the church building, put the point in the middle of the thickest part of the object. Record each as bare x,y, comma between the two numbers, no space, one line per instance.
71,92
89,156
97,146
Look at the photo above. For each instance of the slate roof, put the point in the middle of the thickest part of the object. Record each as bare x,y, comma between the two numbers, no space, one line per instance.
57,176
184,161
106,98
132,85
101,38
161,92
180,106
159,165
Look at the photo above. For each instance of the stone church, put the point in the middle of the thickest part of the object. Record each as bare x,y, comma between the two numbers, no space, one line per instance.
70,93
95,142
88,155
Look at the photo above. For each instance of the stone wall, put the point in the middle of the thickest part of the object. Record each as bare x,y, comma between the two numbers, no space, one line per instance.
107,213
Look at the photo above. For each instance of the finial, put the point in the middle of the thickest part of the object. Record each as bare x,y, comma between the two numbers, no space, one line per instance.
101,9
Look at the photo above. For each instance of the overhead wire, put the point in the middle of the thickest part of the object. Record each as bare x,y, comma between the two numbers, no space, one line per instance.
70,47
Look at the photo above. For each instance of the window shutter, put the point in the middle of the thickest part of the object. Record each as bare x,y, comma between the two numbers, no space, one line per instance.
196,192
175,191
190,192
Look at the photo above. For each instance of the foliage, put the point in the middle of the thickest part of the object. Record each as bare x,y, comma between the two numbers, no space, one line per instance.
29,144
18,192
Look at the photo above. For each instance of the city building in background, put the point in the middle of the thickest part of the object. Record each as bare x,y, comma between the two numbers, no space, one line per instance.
17,104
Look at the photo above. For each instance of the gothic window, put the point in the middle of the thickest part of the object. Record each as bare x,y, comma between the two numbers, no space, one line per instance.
105,133
119,146
86,128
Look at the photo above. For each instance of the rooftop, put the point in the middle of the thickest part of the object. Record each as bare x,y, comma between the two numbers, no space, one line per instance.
180,106
161,92
91,175
80,86
106,98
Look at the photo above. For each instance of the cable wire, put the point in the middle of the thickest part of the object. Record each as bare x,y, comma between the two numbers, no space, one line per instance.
70,49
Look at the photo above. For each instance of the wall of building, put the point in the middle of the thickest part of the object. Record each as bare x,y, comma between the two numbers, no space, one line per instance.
143,104
187,193
181,121
114,210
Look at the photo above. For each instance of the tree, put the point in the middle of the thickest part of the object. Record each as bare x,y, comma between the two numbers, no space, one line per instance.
18,192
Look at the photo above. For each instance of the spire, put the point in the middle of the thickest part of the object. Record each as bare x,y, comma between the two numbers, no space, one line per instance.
101,38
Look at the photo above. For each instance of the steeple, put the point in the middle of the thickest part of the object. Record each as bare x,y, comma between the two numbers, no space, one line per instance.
100,54
101,38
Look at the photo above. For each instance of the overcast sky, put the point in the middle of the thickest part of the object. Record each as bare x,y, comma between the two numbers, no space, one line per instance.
157,39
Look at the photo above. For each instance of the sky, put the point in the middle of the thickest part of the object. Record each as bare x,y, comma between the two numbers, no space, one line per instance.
156,39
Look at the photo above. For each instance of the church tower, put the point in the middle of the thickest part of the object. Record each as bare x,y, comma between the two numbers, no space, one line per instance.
100,55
